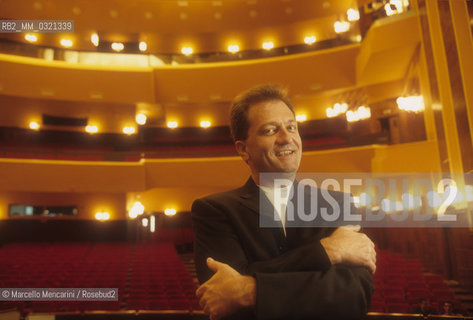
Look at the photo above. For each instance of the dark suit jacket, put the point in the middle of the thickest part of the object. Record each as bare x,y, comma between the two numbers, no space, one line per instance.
294,276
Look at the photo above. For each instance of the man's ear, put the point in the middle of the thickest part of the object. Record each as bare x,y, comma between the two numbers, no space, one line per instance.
241,149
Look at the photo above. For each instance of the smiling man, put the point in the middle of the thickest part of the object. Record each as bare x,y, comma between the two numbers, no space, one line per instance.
248,271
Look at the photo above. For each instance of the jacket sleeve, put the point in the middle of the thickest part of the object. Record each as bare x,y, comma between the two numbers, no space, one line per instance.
294,285
214,237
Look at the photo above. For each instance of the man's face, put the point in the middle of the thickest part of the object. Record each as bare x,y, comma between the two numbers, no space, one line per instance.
273,143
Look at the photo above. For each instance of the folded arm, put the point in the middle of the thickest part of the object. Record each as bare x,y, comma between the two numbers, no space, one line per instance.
296,281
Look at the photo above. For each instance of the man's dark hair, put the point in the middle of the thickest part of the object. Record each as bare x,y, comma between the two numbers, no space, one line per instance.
239,122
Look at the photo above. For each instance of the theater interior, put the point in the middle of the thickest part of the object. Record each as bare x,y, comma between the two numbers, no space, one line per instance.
110,130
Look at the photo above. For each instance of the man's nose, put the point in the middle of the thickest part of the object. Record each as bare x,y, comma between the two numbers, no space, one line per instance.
284,136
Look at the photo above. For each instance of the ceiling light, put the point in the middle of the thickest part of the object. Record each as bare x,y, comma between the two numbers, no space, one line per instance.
340,108
143,46
205,124
102,216
170,211
94,38
66,43
91,129
310,39
31,37
397,4
389,9
411,104
233,48
351,116
330,112
187,50
361,113
34,125
268,45
341,26
136,210
140,118
129,130
353,15
301,117
118,46
152,224
172,124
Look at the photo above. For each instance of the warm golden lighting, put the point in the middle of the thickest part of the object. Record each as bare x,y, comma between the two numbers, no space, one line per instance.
187,50
361,113
310,39
34,125
398,4
170,211
341,26
205,124
143,46
102,216
353,14
330,113
141,118
67,43
411,104
233,48
144,222
91,129
172,124
94,38
136,210
129,130
389,10
338,108
268,45
31,37
118,46
301,117
152,224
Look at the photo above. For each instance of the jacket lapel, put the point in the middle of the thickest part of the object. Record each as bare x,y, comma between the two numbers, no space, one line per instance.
251,196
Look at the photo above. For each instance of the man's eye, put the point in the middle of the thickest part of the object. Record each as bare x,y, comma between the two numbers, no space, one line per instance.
292,127
269,131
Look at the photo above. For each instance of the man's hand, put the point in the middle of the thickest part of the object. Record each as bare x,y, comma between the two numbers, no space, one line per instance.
347,245
226,292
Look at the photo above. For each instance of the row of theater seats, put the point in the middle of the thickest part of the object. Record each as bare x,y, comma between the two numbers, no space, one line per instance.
148,276
400,284
153,277
170,151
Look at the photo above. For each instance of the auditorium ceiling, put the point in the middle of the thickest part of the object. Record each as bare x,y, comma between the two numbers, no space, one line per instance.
163,22
356,67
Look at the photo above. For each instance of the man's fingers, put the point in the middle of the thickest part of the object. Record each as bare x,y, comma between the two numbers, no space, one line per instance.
373,268
200,291
214,265
206,309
